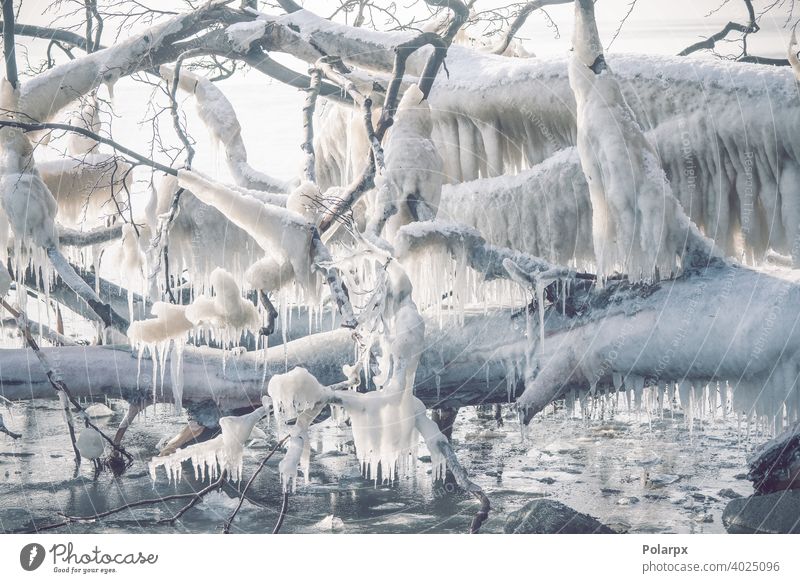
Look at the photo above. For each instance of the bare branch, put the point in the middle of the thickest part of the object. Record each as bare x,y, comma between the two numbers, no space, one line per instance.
226,528
520,19
34,126
745,29
9,49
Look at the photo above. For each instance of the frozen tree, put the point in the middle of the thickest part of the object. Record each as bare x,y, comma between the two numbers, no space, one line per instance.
585,204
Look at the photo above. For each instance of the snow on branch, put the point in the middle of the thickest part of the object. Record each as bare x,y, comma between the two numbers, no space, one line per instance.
460,241
217,113
281,233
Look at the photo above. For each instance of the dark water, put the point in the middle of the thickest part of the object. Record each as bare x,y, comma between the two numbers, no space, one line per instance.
636,473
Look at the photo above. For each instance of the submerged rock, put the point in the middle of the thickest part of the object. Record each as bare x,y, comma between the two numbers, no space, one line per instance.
546,516
776,513
728,493
775,465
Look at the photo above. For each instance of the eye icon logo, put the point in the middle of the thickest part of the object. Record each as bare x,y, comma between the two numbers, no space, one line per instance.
31,556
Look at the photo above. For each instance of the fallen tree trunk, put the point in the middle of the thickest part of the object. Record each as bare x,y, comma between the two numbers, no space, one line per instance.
723,324
470,368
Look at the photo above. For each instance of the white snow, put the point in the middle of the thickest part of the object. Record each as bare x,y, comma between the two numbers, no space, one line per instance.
227,314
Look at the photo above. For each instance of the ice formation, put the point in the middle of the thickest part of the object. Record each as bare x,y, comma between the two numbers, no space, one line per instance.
284,235
305,200
98,411
132,266
638,227
217,113
90,443
222,242
730,161
412,182
86,187
227,314
384,431
26,200
294,392
158,336
5,280
210,458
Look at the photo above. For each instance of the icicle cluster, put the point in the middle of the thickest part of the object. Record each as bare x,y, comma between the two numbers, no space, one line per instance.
210,458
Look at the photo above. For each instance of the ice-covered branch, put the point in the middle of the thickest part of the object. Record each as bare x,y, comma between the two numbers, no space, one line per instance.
461,242
279,232
47,93
638,226
74,238
217,113
312,92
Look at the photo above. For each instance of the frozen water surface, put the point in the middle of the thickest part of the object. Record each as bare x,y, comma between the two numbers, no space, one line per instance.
634,472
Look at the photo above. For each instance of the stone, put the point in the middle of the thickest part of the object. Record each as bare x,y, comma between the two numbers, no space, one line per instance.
547,516
728,493
775,513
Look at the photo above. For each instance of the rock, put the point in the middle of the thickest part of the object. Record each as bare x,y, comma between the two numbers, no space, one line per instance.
728,493
547,516
705,498
660,480
775,465
547,480
627,501
775,513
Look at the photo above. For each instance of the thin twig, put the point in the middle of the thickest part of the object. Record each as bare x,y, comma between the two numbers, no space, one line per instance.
227,526
38,126
282,515
196,497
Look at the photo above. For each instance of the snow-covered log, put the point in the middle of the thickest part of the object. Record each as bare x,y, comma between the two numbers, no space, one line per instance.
623,338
